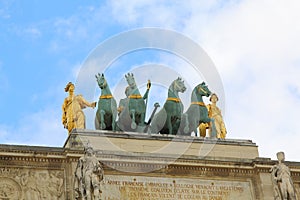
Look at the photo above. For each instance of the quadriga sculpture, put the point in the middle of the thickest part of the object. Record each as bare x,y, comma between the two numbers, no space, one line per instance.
132,116
197,112
167,120
107,107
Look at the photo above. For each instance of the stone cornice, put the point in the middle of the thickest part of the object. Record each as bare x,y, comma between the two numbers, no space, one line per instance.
31,149
174,138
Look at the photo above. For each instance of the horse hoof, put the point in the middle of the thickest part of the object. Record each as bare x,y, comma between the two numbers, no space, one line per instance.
103,126
186,130
133,125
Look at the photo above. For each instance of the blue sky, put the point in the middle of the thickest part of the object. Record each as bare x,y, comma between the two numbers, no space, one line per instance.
254,45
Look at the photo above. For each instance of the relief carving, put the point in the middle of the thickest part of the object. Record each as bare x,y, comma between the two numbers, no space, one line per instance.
9,189
29,183
55,187
21,184
43,186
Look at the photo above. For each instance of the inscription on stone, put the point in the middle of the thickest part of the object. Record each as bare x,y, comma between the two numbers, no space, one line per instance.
157,188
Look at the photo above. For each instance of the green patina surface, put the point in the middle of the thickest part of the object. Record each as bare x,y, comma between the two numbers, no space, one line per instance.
197,112
107,107
168,119
132,118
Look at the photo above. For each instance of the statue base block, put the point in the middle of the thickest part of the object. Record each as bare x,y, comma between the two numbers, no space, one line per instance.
164,145
164,167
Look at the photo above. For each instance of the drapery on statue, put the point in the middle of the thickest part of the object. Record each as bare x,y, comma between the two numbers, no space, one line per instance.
282,182
73,116
88,176
215,113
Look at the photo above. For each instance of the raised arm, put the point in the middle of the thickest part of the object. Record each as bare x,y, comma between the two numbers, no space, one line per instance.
147,91
84,103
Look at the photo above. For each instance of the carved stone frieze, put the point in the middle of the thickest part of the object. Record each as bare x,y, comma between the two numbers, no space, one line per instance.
29,184
10,189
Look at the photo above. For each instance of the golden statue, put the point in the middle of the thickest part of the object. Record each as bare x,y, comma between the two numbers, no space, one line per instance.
73,116
215,113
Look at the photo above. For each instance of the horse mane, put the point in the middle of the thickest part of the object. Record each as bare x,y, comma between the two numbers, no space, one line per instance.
171,90
194,96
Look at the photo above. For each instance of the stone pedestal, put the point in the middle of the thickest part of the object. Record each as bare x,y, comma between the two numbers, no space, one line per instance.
165,167
141,166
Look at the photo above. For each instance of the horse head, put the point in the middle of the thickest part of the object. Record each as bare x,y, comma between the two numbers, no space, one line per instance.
101,80
130,80
178,85
203,90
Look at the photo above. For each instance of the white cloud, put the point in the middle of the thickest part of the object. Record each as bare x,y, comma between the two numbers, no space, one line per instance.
87,25
33,32
41,125
70,28
169,14
27,32
255,46
40,128
4,9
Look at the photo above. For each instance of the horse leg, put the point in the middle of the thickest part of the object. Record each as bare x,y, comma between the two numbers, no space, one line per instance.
113,121
195,126
133,124
114,113
185,121
141,123
102,122
213,129
169,124
97,125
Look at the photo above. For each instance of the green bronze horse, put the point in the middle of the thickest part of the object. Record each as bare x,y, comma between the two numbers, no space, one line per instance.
197,112
107,107
168,119
132,117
